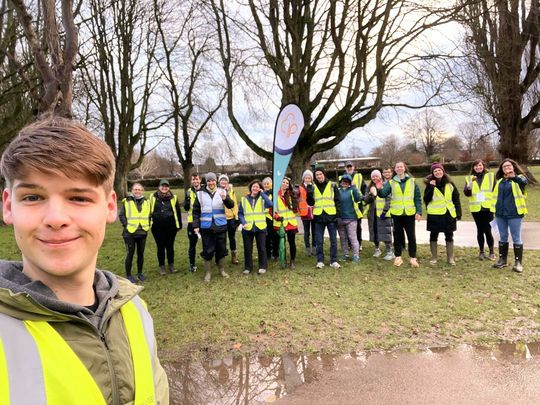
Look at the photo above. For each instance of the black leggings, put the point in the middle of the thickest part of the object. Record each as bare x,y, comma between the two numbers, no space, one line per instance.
292,243
164,234
483,227
404,224
132,242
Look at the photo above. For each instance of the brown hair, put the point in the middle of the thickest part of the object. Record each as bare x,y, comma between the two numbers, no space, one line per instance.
475,163
517,169
252,182
59,146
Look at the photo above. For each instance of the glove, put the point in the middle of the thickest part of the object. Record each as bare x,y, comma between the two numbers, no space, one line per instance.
383,215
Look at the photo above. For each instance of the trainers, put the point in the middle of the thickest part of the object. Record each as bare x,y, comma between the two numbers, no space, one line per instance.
377,252
414,262
262,271
335,265
398,261
360,248
481,256
246,271
132,279
344,258
492,257
433,261
192,268
356,259
320,265
389,256
141,277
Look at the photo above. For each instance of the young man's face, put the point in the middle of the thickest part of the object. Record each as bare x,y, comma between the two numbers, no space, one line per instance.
59,225
387,174
349,169
196,181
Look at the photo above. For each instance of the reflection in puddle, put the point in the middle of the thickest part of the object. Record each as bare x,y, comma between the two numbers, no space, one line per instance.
245,380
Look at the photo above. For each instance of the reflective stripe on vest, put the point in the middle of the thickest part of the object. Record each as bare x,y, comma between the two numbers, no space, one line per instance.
173,206
402,202
442,202
212,209
255,215
136,218
357,209
486,188
379,206
38,367
302,202
325,201
519,198
289,217
192,197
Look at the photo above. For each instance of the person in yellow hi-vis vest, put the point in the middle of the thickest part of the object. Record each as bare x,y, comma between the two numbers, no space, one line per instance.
478,187
272,238
508,204
134,215
323,195
189,200
252,215
287,208
405,208
443,207
360,184
232,216
69,333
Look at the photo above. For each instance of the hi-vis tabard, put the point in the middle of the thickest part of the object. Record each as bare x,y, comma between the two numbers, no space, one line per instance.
212,208
136,218
173,206
302,202
442,202
325,201
402,202
519,198
255,215
357,210
379,206
38,367
192,197
481,196
289,217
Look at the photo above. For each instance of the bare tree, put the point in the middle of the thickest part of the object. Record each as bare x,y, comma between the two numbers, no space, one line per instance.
53,51
474,136
503,50
186,58
427,128
337,60
388,151
119,77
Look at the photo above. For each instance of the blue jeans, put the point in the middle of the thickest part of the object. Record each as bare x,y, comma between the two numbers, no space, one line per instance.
319,240
515,229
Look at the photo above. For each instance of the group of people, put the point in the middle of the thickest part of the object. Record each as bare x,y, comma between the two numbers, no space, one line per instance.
391,201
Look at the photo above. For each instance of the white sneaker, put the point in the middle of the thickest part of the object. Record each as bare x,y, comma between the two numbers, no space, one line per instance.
389,256
246,271
262,271
377,252
320,265
335,265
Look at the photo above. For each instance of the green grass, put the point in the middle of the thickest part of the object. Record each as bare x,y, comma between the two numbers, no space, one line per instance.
359,307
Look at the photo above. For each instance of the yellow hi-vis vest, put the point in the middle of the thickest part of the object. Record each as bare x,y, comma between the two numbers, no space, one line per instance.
402,202
357,210
38,367
485,190
136,218
268,214
379,206
289,217
173,206
519,198
254,215
192,197
442,202
325,201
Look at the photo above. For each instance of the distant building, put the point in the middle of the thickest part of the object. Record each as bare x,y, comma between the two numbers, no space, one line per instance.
339,164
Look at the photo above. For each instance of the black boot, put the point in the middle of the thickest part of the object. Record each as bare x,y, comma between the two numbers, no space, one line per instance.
503,254
518,253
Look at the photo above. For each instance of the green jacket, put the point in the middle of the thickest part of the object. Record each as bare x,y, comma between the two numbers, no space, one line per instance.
109,363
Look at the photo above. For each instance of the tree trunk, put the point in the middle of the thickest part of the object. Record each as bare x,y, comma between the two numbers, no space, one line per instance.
298,164
120,178
186,169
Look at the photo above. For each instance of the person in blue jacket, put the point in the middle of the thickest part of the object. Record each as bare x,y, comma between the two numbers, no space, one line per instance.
509,207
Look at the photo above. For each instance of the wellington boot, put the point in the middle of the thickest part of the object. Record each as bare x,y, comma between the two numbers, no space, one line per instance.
518,253
234,257
503,255
221,267
208,270
433,247
450,253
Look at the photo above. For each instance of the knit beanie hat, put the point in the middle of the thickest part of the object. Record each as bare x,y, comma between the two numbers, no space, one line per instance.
223,176
436,165
375,173
347,178
210,176
319,169
307,173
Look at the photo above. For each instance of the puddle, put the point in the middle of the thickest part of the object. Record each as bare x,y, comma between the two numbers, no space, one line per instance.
259,380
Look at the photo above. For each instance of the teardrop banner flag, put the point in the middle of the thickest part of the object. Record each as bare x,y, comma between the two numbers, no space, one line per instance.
289,125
